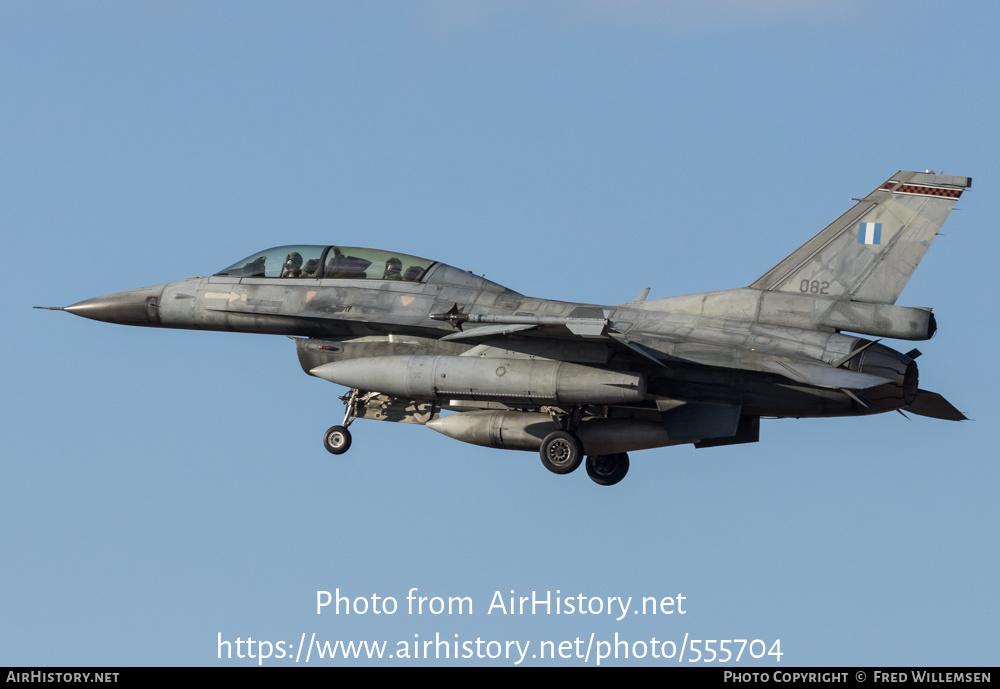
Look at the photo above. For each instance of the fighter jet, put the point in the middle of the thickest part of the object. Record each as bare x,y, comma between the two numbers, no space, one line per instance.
419,341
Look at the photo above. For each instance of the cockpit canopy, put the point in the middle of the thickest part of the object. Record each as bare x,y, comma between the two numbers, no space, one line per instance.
329,262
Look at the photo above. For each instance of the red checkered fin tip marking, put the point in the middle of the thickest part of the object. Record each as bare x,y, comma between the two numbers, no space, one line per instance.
898,188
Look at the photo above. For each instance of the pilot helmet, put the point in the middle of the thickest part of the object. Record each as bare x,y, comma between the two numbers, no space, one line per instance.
393,267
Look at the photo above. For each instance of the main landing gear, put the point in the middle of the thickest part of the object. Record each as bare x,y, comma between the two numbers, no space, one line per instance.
562,453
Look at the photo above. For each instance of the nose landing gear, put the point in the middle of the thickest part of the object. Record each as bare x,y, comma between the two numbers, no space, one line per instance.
337,439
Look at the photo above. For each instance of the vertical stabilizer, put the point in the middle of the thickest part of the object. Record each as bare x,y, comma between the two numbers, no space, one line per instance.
869,253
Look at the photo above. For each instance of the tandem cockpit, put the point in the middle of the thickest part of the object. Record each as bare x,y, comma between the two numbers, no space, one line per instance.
318,262
326,262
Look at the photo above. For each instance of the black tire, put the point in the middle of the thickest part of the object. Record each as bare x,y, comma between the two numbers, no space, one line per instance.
337,440
607,470
561,452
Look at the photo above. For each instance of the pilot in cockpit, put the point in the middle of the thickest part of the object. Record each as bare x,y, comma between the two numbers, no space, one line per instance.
393,269
292,267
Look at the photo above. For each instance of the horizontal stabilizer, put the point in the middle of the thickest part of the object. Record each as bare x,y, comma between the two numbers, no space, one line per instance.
824,376
935,406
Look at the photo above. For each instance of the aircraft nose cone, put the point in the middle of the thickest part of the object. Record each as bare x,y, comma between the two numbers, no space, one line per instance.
131,307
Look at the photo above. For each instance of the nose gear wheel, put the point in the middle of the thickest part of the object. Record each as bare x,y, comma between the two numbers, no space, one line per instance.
337,440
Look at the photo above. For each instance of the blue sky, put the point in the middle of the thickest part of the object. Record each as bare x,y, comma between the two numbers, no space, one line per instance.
160,488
